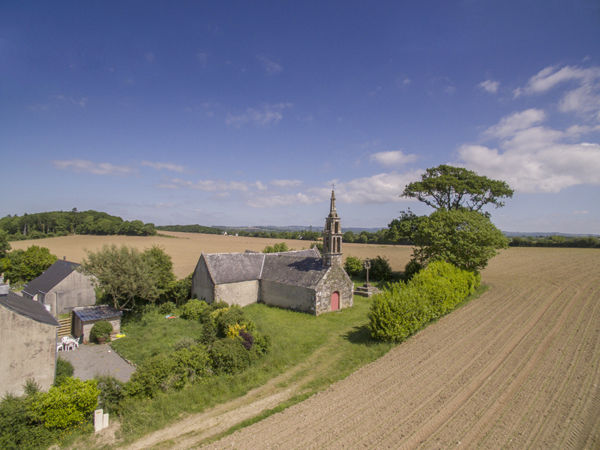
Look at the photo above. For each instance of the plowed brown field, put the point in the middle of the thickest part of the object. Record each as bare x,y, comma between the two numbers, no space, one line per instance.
519,368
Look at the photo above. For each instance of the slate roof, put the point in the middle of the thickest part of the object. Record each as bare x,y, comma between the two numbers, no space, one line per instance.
295,270
28,308
234,267
100,312
50,278
299,268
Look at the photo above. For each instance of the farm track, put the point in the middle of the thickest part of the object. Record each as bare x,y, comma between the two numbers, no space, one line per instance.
517,368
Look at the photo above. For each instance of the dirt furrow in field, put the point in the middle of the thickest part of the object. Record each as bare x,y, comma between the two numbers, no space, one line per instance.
518,367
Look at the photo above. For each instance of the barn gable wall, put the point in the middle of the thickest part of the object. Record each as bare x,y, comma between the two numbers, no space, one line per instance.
28,351
202,284
75,290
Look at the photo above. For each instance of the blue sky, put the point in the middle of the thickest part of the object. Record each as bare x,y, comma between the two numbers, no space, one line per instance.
245,113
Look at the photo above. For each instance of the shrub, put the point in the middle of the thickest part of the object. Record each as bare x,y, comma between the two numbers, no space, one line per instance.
191,363
229,356
185,342
231,317
167,308
380,269
151,376
353,266
411,268
261,344
164,372
209,330
194,309
31,387
101,330
64,369
66,405
276,248
17,430
112,393
247,339
404,309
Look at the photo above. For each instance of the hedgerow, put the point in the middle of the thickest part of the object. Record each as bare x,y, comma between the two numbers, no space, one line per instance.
405,308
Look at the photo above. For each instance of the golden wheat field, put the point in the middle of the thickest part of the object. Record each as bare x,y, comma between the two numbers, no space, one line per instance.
185,248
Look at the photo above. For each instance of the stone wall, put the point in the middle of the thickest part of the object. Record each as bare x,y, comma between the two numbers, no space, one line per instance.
28,351
202,285
242,293
287,296
336,279
75,290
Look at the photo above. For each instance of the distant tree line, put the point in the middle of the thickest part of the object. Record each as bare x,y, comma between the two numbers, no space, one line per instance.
62,223
190,229
555,241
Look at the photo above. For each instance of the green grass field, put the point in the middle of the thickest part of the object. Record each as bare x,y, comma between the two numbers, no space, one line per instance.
336,344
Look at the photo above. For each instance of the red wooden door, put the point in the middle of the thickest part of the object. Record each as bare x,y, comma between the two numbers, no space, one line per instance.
335,301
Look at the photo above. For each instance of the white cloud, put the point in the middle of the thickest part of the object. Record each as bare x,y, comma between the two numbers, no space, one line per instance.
260,186
534,158
206,185
583,99
163,166
489,86
286,183
149,56
394,158
515,122
266,115
269,201
379,188
270,66
80,165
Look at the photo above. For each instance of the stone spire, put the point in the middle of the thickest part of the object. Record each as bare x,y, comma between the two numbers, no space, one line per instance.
332,236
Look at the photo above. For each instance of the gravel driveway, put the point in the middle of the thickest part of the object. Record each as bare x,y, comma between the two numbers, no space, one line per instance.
90,360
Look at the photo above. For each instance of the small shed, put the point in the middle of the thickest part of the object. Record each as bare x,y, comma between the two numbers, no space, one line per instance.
85,317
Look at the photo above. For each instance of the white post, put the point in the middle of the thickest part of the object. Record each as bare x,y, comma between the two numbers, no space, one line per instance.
98,420
105,421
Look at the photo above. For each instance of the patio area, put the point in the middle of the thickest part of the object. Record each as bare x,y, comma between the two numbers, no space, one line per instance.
91,360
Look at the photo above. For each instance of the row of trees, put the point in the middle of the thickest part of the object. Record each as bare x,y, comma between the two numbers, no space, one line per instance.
60,223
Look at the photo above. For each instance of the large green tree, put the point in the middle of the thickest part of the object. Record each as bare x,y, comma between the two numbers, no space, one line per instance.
449,187
128,276
21,266
467,239
4,245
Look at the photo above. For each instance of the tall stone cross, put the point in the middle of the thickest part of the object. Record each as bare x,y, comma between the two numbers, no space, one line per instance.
367,266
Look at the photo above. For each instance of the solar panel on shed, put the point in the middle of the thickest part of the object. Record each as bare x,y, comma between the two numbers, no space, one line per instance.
96,313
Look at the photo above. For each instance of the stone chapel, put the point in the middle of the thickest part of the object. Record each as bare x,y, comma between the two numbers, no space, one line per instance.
301,280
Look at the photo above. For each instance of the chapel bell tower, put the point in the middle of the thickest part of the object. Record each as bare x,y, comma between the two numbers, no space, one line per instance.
332,237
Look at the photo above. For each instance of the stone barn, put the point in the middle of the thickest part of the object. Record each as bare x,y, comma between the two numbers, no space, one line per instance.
61,288
299,280
28,336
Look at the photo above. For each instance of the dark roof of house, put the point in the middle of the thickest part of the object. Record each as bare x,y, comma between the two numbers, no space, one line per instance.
100,312
300,268
50,278
28,308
